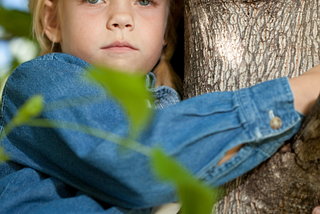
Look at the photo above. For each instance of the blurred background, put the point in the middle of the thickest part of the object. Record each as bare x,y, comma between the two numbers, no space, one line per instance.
16,42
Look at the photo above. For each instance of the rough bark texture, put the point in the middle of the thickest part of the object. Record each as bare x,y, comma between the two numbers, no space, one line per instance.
234,44
288,182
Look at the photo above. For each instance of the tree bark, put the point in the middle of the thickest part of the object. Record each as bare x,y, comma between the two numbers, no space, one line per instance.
231,44
234,44
288,182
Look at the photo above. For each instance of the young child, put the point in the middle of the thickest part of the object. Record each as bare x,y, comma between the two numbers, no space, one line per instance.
217,136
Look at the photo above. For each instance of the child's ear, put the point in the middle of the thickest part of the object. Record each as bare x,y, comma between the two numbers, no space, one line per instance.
50,23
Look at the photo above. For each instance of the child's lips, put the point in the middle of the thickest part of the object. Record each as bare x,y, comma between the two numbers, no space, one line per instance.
120,46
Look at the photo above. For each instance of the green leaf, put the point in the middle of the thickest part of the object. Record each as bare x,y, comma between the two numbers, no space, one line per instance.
3,79
3,156
15,22
129,90
195,196
31,108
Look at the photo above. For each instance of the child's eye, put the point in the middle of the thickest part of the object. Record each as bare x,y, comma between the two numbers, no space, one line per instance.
144,2
95,1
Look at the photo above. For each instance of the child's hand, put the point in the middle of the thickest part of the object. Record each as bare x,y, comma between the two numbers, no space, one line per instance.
316,210
306,89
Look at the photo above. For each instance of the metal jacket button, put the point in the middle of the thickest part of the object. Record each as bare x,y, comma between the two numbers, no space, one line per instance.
276,123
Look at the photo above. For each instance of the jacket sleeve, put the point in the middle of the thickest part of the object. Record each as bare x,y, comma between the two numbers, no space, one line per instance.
197,132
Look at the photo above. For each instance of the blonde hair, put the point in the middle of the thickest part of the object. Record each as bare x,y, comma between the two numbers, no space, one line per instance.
36,8
163,71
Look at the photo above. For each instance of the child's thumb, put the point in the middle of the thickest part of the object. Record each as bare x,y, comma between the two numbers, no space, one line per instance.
316,210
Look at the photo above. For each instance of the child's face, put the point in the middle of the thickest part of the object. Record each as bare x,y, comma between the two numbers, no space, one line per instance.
123,34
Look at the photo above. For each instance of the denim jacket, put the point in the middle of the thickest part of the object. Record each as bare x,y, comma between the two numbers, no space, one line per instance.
62,171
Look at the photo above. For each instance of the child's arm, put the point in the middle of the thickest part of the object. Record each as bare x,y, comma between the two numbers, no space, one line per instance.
198,132
305,88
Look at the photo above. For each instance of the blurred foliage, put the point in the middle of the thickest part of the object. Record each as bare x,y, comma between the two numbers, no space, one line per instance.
130,90
3,156
195,197
30,109
15,23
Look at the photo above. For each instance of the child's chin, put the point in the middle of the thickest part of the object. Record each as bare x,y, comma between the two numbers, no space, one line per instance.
125,69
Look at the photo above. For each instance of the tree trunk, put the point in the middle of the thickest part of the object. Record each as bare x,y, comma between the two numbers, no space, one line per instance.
231,44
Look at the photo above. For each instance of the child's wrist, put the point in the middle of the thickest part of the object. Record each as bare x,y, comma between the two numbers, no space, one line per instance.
306,89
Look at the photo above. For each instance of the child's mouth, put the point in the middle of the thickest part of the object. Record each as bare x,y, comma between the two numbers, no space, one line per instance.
120,46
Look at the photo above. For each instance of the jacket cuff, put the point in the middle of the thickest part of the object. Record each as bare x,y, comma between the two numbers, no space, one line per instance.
269,108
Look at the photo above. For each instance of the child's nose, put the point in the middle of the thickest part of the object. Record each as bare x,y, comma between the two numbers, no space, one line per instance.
121,20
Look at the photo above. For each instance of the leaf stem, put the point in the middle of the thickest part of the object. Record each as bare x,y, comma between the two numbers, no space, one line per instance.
68,103
122,141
